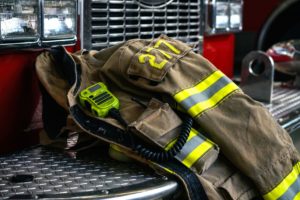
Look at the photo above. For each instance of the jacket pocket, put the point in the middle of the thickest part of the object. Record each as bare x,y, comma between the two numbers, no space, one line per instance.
160,125
152,62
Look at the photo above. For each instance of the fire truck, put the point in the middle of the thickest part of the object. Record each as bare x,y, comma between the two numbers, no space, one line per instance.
223,31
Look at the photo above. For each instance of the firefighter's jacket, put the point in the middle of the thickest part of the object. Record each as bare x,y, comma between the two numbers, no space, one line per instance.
256,155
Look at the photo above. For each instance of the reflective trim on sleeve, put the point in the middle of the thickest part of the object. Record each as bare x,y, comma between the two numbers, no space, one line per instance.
288,188
206,94
297,197
195,147
197,153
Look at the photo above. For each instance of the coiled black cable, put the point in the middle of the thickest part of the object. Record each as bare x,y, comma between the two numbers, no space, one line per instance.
159,156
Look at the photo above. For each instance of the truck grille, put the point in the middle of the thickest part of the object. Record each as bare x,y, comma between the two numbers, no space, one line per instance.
108,22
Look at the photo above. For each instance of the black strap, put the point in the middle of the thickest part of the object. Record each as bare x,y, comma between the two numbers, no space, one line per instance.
64,65
112,133
195,188
53,115
99,128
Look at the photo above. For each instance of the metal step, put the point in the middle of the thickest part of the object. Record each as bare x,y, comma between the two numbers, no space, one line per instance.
285,107
44,173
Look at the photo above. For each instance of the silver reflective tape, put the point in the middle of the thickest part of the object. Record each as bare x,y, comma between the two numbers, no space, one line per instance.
292,191
189,147
206,94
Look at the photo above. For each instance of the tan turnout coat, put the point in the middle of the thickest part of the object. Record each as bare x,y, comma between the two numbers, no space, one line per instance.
257,157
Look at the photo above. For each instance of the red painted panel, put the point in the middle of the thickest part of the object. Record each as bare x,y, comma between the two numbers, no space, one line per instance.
256,13
219,50
19,97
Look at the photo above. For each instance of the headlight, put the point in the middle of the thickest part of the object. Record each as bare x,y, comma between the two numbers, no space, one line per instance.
59,19
19,20
236,14
223,16
37,23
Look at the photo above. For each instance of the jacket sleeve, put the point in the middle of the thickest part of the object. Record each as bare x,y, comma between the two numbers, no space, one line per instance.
245,131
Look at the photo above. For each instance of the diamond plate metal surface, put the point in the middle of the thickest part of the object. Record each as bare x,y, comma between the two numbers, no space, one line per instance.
285,107
56,173
284,101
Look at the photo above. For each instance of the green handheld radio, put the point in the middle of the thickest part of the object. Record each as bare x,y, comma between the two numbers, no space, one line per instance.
98,99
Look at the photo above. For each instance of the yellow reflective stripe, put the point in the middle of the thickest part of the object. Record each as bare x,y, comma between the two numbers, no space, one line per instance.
192,134
297,197
284,185
213,101
197,153
191,157
203,85
207,94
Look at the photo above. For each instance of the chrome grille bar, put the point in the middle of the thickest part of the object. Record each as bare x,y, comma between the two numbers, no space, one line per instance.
108,22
